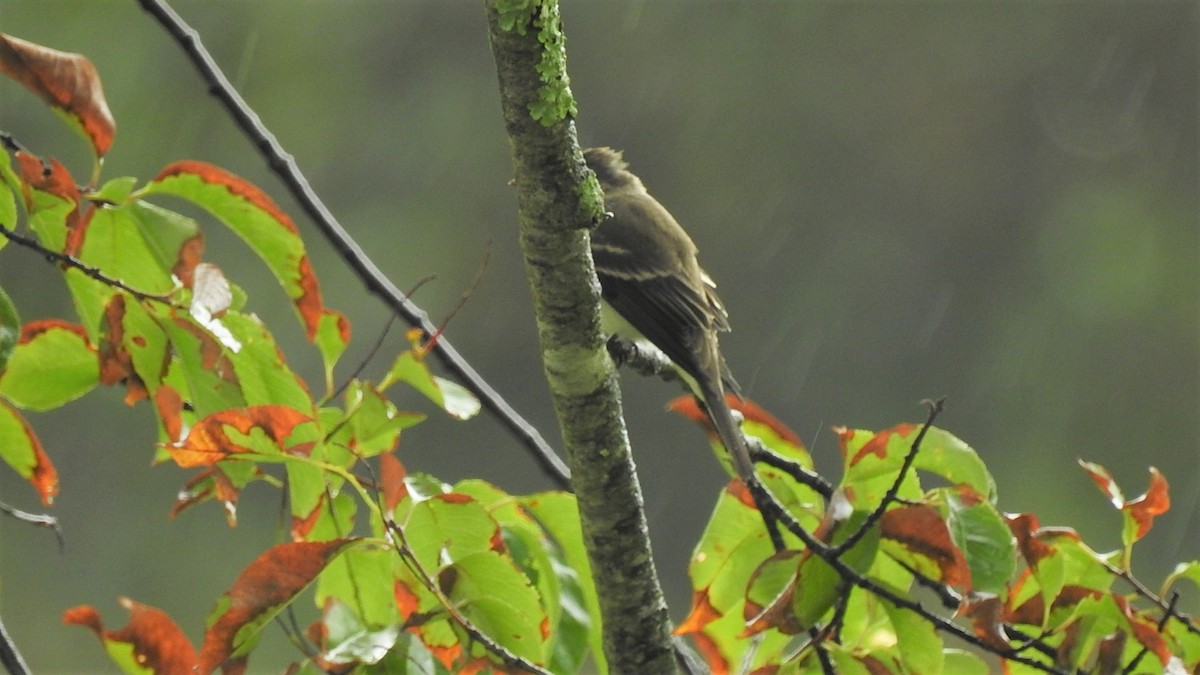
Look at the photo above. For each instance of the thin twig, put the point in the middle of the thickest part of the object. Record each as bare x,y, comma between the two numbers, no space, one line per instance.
72,262
759,453
38,519
284,166
462,300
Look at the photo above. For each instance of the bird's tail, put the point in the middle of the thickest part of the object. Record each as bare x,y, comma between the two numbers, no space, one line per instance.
728,429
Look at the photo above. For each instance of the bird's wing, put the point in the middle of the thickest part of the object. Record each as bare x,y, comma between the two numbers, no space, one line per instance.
658,286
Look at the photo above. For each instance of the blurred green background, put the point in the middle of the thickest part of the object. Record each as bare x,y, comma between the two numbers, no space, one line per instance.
993,201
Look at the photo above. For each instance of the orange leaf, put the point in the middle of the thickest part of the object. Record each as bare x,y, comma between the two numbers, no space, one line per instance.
65,81
406,600
208,442
40,472
261,591
169,405
702,614
158,643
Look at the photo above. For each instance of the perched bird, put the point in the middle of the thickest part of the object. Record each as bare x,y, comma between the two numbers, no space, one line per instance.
649,274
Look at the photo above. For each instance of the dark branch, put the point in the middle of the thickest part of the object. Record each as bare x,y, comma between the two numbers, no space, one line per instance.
9,656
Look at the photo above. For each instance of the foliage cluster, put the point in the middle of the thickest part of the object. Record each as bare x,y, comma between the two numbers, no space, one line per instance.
413,575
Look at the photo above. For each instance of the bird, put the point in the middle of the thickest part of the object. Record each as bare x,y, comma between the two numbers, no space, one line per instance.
650,275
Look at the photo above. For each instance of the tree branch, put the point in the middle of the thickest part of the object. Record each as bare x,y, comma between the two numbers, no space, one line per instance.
284,166
558,201
9,656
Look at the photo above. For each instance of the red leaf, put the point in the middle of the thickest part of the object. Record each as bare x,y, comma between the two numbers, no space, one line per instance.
262,590
923,531
391,480
208,442
878,444
1154,502
50,177
986,617
116,364
158,643
66,81
688,407
32,329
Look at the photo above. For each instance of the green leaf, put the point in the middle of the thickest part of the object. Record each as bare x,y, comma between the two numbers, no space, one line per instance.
115,191
819,584
374,423
409,655
361,581
9,184
114,244
352,642
734,544
961,662
257,219
917,640
263,375
10,327
451,397
333,334
21,450
872,459
544,562
499,600
558,513
53,364
146,343
201,362
980,532
447,527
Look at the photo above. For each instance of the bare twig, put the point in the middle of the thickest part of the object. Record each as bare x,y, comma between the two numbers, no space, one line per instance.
284,166
38,519
72,262
759,453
